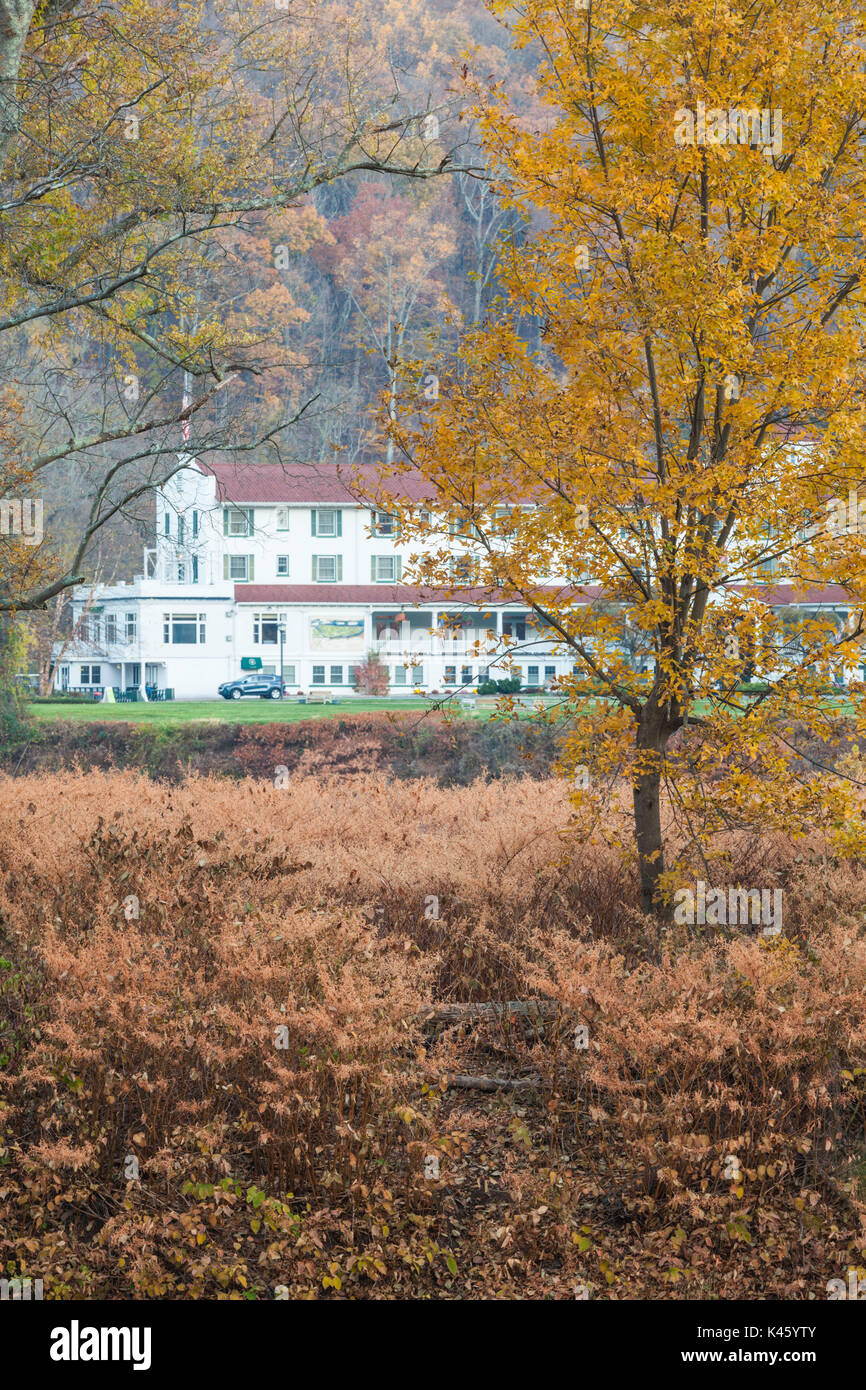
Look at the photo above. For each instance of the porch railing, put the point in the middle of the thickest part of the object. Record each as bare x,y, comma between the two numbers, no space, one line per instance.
132,695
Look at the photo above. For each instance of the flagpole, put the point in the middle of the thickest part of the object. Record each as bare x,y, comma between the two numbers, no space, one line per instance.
187,401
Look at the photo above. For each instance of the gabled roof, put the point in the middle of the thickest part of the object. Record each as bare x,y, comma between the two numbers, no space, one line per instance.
300,483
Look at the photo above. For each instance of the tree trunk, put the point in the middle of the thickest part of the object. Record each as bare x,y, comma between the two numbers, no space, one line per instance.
646,791
11,649
15,19
47,675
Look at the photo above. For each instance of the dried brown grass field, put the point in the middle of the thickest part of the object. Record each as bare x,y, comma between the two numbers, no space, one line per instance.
240,1061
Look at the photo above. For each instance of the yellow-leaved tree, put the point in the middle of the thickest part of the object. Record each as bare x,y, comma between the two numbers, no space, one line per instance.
654,441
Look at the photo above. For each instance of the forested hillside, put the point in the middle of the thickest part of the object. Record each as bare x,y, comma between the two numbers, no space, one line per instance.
279,309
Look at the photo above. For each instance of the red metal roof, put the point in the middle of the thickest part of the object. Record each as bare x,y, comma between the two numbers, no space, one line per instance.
386,594
780,595
334,482
308,482
783,595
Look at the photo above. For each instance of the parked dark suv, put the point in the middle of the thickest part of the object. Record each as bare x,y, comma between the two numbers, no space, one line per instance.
266,687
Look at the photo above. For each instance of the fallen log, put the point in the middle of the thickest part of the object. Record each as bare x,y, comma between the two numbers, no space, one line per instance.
491,1083
465,1013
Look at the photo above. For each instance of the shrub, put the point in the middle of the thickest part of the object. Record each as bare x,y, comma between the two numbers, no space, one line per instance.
508,685
371,677
61,698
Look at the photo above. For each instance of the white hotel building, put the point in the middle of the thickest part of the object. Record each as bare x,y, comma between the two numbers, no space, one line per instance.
246,554
262,568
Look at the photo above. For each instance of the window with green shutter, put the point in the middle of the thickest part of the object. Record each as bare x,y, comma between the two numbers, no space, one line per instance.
385,568
327,569
326,521
383,524
240,568
238,521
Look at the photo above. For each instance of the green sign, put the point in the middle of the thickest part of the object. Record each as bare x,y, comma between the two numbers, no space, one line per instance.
251,663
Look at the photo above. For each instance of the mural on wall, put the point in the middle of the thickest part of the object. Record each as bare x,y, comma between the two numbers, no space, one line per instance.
327,634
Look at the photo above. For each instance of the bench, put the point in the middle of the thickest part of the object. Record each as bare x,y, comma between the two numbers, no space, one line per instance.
468,702
320,697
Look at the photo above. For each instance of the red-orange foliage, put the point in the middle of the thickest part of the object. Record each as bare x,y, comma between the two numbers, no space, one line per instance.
371,677
339,910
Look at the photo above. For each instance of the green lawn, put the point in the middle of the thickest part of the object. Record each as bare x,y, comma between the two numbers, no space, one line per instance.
290,711
237,711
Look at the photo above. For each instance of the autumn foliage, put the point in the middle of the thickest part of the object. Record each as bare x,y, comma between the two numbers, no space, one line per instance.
224,1072
684,431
